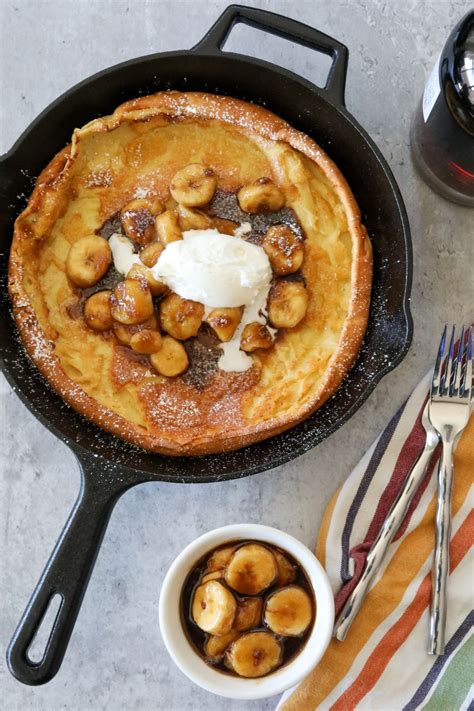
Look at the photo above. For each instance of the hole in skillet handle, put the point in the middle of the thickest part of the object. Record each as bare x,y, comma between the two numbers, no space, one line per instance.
304,62
37,649
289,29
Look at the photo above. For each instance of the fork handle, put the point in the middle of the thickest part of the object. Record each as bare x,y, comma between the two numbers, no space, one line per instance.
441,553
386,534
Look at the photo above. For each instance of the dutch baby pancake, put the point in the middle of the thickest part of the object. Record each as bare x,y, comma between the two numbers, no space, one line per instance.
191,274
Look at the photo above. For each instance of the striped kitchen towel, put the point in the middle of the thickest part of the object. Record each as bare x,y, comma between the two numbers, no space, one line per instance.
383,663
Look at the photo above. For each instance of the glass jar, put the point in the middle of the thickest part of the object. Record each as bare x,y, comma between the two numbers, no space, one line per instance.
442,133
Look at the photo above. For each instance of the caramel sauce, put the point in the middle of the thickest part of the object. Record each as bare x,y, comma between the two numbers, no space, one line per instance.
203,351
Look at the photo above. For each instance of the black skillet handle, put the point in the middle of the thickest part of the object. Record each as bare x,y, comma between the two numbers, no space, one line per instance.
289,29
66,574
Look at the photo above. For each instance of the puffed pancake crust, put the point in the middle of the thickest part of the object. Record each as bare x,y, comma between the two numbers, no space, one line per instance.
134,152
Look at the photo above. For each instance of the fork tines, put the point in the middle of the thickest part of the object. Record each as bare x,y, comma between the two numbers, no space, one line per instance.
452,376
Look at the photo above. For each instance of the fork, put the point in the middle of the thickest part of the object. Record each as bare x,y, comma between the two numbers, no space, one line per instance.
451,396
389,529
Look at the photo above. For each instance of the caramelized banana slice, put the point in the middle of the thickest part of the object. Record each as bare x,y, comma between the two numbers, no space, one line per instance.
97,311
213,608
140,272
254,654
152,204
171,360
146,341
224,322
286,571
194,185
193,219
220,558
217,575
261,196
288,612
249,612
251,569
255,335
284,249
88,260
287,303
181,318
131,302
124,333
138,219
214,647
225,227
167,227
150,254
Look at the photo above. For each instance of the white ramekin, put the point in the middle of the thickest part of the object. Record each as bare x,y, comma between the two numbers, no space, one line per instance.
191,664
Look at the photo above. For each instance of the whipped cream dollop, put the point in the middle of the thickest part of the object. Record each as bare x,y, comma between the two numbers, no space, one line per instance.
123,253
216,270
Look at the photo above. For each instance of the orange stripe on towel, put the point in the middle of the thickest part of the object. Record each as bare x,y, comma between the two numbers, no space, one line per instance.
399,632
324,530
387,594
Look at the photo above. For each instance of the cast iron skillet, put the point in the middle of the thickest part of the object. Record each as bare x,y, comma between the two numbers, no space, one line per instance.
109,466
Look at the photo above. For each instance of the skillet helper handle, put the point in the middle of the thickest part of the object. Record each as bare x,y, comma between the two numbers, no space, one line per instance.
288,29
66,575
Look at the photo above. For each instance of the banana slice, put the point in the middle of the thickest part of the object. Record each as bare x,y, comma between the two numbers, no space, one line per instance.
88,260
251,569
140,272
138,219
146,341
255,335
213,608
171,360
97,312
168,228
193,219
214,647
217,575
288,612
150,254
224,322
220,558
194,185
284,249
181,318
286,571
249,613
254,654
287,303
124,333
224,226
131,302
261,196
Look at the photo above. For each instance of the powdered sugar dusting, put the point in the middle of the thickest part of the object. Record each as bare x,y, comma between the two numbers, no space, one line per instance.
99,179
42,347
169,410
141,193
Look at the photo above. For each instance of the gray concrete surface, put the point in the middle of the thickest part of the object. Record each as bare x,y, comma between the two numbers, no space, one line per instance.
116,659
